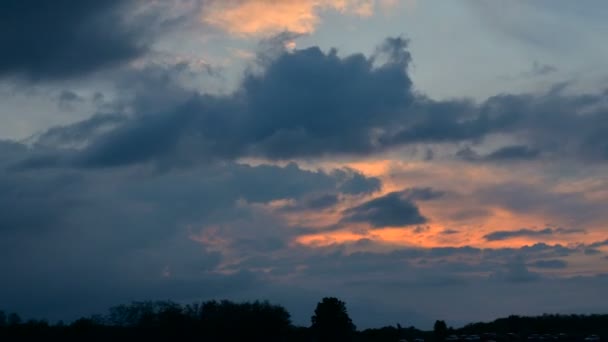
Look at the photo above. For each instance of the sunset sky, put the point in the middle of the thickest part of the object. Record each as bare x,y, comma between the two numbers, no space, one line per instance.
419,159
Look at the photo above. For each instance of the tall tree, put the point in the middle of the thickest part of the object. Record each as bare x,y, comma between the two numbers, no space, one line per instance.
331,321
441,331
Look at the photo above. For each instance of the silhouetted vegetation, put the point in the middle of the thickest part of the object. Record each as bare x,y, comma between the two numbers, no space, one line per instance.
440,331
262,321
331,321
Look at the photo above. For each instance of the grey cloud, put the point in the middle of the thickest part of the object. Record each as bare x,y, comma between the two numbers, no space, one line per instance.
513,152
507,153
274,114
393,209
307,104
62,39
67,99
539,69
422,194
79,133
517,272
524,232
322,202
550,264
314,203
599,244
567,208
592,251
133,233
357,183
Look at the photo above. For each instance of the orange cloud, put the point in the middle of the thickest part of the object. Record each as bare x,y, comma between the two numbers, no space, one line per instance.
255,17
464,211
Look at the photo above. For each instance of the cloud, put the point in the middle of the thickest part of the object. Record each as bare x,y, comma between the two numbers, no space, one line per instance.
357,183
264,17
599,244
273,115
516,272
421,194
507,153
550,264
125,227
311,104
524,232
513,152
322,202
570,208
539,69
79,134
63,39
393,209
314,203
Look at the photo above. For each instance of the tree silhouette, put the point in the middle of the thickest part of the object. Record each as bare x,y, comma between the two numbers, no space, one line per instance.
215,321
440,330
331,321
14,319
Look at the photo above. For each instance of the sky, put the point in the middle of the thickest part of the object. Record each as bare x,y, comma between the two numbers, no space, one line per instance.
418,159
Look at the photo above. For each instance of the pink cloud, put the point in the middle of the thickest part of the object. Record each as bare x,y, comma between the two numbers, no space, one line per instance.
260,17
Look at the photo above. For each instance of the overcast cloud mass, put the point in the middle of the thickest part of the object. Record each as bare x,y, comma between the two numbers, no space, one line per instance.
199,149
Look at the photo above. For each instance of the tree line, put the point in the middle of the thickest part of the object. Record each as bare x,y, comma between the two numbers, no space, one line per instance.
263,321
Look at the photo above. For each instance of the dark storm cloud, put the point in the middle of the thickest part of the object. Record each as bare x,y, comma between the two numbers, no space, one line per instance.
393,209
547,232
44,40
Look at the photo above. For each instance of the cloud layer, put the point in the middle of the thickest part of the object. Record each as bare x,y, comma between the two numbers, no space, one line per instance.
321,170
